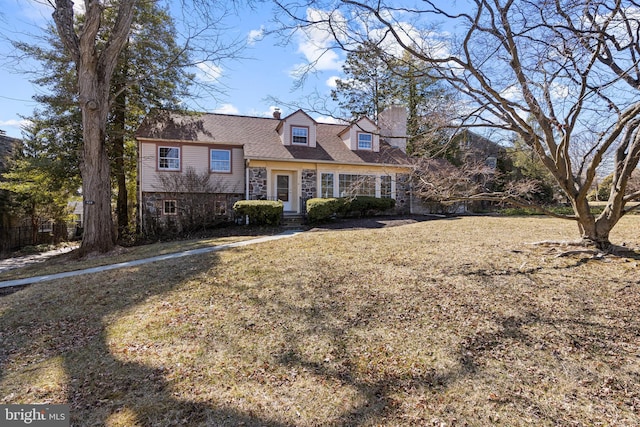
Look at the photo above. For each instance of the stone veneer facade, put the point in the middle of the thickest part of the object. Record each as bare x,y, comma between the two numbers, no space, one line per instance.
257,183
194,211
309,184
403,193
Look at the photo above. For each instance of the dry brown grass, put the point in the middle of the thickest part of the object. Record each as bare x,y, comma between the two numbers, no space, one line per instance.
68,261
449,322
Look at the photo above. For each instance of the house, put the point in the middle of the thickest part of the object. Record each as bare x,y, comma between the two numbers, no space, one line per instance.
195,164
477,149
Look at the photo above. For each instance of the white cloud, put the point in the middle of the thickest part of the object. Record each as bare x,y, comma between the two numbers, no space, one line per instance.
18,124
331,81
318,54
260,113
208,72
559,90
315,42
255,35
512,93
227,109
331,120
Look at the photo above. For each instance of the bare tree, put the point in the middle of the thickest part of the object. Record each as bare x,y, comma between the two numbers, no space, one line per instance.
556,73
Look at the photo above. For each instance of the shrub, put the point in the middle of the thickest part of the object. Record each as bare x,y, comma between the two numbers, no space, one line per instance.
322,209
367,205
319,210
260,212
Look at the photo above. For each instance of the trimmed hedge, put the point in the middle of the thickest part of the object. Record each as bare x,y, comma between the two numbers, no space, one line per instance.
322,209
367,205
260,212
319,210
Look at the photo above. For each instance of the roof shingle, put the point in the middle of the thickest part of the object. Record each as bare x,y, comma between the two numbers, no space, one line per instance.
260,138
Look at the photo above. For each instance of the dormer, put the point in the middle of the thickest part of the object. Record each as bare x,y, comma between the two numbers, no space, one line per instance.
362,135
298,130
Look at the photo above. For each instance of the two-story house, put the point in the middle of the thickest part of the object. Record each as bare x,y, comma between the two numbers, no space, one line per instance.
290,159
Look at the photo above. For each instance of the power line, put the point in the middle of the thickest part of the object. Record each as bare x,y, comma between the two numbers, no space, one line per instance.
16,99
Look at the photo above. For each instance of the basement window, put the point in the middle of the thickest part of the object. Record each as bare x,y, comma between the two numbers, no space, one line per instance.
169,207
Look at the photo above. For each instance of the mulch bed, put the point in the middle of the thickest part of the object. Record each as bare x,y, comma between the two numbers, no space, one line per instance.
374,222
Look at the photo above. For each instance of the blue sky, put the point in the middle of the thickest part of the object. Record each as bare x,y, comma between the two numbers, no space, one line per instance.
267,69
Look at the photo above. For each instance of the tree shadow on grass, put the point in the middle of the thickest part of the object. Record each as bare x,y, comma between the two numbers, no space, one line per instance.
69,321
377,222
379,388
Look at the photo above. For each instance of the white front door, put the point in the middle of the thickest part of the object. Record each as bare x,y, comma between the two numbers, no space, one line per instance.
284,191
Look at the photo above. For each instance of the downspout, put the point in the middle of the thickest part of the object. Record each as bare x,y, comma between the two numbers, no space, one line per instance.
246,186
246,179
138,181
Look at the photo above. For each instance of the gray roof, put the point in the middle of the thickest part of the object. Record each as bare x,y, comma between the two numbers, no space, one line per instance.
260,139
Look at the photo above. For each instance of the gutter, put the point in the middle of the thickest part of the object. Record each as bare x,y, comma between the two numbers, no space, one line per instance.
328,162
139,184
187,142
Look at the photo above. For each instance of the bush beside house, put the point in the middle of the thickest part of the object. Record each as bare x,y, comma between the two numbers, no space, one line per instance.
260,212
319,210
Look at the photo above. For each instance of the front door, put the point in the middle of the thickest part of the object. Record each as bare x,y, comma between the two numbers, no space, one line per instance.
283,190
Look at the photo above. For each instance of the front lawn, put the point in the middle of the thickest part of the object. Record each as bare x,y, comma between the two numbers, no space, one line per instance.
448,322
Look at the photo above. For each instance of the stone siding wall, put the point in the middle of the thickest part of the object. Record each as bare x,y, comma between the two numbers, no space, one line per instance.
257,183
309,184
194,211
403,193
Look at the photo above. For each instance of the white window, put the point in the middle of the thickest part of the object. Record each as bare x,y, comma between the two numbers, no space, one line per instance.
169,158
326,185
220,161
385,186
356,185
300,135
365,141
170,207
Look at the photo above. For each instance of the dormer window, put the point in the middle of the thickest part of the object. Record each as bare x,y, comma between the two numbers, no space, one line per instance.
365,141
300,135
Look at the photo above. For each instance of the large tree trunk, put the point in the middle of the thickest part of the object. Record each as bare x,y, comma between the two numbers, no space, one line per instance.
95,65
595,230
98,233
595,233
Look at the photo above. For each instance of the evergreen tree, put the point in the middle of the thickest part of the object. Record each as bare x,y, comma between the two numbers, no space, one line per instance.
38,182
376,80
368,87
429,106
150,73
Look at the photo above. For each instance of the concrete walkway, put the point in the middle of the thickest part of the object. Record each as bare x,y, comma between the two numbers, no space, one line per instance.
37,279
